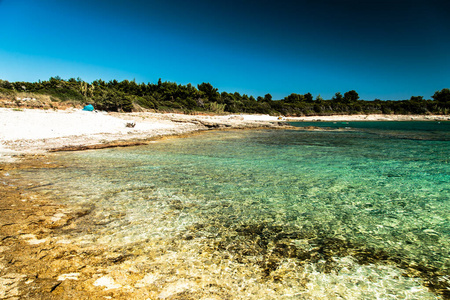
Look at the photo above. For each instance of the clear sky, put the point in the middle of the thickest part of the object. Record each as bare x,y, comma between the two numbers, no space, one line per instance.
382,49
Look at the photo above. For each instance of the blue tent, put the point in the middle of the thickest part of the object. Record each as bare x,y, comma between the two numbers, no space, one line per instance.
89,107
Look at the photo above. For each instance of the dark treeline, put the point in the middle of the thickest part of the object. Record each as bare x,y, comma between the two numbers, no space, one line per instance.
168,96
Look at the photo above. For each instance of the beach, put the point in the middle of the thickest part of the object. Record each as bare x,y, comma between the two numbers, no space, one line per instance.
33,131
39,257
34,259
348,118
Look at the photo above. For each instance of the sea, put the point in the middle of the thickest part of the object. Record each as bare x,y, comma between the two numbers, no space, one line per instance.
327,210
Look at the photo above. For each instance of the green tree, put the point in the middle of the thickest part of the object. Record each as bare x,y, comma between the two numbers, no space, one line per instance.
267,97
308,97
293,98
210,92
127,104
442,96
416,98
337,97
6,84
351,96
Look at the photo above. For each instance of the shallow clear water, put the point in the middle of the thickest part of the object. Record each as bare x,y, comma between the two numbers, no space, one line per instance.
421,130
279,213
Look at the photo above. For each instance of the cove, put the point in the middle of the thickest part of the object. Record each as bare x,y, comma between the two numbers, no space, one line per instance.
291,214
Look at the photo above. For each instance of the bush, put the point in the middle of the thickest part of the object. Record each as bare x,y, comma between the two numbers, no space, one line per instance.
216,107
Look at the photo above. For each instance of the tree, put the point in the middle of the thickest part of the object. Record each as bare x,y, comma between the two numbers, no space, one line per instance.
308,97
120,96
351,96
293,98
54,81
127,104
6,84
442,96
99,83
337,97
416,98
210,92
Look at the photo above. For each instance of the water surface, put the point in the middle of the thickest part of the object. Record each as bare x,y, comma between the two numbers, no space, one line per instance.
287,214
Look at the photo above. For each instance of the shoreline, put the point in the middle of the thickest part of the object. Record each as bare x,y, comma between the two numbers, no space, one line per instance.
354,118
34,131
31,131
37,259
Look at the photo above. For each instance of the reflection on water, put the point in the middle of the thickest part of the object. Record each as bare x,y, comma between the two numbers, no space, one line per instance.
274,214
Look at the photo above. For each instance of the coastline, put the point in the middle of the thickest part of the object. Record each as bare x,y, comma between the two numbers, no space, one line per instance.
350,118
31,131
37,259
34,131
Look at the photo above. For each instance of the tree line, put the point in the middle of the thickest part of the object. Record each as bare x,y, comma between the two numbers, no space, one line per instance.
169,96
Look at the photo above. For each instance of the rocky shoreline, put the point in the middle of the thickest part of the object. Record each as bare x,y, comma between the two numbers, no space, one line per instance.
32,131
358,118
37,258
25,132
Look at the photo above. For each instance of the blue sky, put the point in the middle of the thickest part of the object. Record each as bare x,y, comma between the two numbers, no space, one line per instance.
382,49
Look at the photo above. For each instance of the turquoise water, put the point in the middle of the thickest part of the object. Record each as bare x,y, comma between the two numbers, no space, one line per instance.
360,213
436,130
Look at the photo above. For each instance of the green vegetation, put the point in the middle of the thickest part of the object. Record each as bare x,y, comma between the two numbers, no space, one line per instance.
169,96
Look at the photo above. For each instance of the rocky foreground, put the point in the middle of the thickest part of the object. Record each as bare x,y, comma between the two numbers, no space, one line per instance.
37,258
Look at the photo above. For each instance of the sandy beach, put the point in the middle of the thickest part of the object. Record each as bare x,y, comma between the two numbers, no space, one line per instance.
346,118
32,131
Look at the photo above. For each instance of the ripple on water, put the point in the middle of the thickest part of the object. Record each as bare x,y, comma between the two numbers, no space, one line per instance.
272,214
